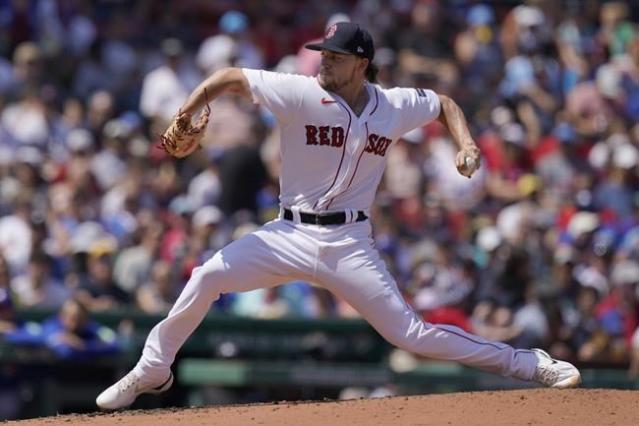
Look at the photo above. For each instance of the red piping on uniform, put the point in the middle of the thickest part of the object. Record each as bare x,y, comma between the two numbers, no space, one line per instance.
341,159
356,167
376,102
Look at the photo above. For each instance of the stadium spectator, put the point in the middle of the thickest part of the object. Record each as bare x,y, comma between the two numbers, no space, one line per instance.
70,335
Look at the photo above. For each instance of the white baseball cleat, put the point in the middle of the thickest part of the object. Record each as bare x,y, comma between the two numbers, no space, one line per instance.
122,393
555,373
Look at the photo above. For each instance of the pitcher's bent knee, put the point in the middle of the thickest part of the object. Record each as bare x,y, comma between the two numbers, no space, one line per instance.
406,335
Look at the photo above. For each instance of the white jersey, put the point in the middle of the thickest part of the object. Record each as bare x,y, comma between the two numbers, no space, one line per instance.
332,159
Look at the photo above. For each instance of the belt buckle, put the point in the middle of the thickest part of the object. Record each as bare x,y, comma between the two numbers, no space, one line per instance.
318,219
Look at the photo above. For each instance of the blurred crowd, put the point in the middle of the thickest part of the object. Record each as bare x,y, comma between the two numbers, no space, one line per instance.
539,248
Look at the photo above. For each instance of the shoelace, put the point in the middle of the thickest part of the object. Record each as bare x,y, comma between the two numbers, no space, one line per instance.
546,374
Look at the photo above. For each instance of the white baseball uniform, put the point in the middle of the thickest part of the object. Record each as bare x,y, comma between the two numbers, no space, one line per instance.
332,161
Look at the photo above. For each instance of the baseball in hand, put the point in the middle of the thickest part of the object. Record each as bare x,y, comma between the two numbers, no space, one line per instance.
468,167
469,163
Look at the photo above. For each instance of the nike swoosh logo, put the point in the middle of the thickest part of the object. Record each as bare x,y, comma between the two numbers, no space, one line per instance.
327,101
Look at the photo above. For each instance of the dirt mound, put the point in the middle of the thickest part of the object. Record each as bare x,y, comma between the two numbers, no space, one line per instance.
522,407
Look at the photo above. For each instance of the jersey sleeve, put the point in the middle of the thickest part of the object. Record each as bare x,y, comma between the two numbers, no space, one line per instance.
417,107
279,93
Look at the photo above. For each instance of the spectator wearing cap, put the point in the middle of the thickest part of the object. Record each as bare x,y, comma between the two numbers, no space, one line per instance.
234,120
97,290
524,30
208,233
80,142
615,192
204,189
216,52
90,276
166,88
491,250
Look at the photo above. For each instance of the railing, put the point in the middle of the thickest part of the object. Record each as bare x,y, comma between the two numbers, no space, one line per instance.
320,356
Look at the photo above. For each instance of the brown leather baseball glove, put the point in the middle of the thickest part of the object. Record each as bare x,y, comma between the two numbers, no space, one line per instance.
183,137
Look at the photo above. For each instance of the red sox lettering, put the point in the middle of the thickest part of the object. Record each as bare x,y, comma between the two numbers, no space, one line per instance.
324,135
377,144
334,136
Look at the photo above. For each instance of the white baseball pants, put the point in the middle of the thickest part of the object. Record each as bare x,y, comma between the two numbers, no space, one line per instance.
343,260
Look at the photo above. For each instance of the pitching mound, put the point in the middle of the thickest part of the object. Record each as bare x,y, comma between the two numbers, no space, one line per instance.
522,407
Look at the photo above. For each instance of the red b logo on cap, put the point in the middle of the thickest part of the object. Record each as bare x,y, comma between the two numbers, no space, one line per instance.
330,32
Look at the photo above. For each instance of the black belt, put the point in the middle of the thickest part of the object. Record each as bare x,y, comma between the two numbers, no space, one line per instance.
336,218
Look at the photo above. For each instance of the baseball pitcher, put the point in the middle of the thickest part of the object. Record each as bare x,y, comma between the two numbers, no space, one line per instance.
336,130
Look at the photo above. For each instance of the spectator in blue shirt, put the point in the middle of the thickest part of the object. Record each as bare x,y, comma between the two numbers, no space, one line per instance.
71,334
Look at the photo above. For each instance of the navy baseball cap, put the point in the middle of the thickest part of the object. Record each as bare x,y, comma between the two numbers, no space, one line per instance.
348,38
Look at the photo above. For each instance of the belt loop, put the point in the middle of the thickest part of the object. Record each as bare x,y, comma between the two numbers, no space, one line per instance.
281,215
296,214
351,215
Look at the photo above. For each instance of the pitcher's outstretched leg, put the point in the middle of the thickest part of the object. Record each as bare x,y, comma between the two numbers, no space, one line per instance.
373,292
246,264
